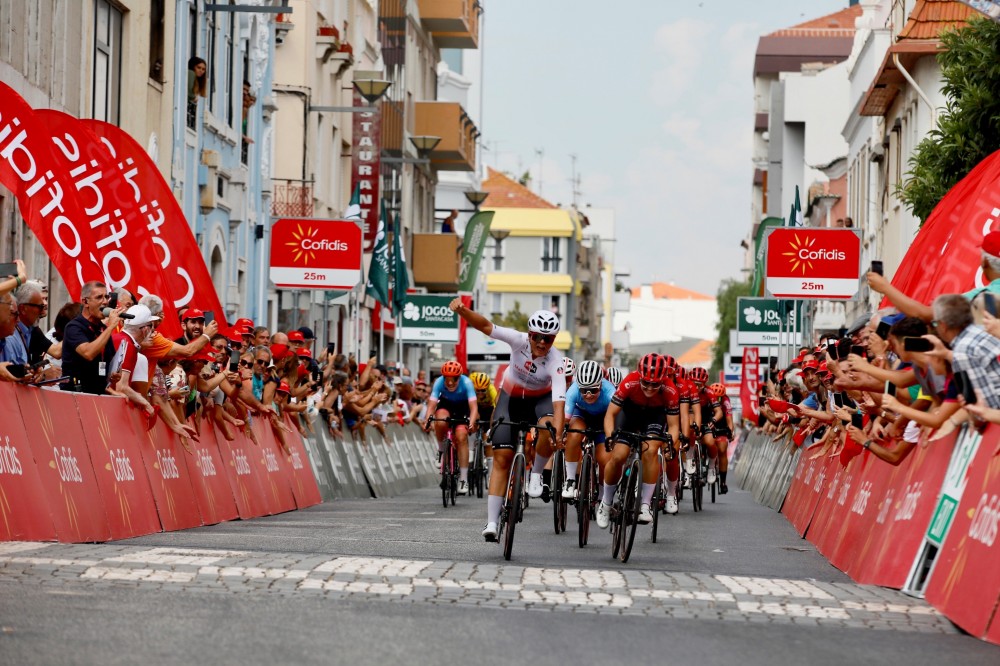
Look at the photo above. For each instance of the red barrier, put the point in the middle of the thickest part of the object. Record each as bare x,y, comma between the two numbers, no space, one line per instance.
24,511
803,496
304,486
53,428
117,462
833,516
965,583
168,474
245,479
208,479
276,482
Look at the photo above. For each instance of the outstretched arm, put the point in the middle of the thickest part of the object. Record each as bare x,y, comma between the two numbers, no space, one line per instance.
473,318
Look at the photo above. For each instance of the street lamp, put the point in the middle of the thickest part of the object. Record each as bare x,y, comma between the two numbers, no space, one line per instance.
476,197
372,89
424,144
499,234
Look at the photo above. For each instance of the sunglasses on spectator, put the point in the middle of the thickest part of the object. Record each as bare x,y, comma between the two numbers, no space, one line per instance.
654,386
262,361
246,364
589,391
539,338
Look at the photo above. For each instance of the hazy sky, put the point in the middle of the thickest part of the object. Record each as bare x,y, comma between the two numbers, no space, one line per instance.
655,98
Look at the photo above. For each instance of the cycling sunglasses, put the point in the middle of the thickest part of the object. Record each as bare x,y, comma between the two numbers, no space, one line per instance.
539,338
590,391
650,387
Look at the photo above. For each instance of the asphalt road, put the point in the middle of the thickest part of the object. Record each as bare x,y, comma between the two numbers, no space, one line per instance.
377,581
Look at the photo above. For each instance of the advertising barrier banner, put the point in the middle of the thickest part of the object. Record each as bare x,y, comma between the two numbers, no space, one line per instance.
24,510
169,478
303,482
208,481
117,463
275,481
244,478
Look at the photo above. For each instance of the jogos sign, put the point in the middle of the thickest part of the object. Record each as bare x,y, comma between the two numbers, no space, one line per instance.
813,263
427,318
315,254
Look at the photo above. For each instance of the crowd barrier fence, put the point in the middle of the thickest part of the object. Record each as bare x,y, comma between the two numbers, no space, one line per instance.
928,525
83,468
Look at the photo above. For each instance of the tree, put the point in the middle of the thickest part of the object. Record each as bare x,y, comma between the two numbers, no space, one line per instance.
726,301
968,130
514,318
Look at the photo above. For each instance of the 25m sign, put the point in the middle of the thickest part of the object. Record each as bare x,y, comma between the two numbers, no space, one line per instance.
813,263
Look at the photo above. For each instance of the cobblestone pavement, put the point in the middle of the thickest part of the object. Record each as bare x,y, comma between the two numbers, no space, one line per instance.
658,594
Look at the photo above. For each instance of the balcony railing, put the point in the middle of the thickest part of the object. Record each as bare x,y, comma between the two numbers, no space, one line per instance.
291,198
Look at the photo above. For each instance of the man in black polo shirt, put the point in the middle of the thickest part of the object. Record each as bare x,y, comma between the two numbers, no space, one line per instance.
87,346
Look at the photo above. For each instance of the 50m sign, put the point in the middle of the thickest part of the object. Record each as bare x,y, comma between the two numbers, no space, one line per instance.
813,263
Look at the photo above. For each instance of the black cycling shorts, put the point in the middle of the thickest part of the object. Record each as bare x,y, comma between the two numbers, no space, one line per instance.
509,409
649,423
455,408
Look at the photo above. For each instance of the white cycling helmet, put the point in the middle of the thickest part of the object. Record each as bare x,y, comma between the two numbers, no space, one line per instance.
569,367
615,375
545,322
589,374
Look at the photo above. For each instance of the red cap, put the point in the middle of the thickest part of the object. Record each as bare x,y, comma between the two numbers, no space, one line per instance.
296,336
283,387
991,243
811,364
823,369
193,313
302,370
798,359
234,335
304,351
279,351
244,321
242,329
203,355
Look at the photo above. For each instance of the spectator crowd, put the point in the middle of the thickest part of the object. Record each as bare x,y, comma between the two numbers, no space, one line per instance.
906,375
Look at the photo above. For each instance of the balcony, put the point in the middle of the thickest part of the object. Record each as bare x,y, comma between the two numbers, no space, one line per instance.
453,24
621,301
392,127
435,261
291,198
448,120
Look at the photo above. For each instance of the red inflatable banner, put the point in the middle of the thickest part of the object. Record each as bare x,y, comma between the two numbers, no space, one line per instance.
117,462
945,256
47,194
965,583
162,454
24,510
63,462
178,255
208,478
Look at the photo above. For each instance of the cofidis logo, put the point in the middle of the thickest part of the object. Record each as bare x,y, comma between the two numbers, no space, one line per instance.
306,244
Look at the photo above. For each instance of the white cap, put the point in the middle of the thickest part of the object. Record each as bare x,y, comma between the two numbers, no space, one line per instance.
141,316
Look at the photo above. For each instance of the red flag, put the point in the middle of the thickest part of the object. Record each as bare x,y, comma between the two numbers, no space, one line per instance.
748,385
177,251
945,256
46,194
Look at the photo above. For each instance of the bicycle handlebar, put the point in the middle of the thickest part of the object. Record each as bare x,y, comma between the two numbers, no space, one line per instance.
450,420
524,425
624,434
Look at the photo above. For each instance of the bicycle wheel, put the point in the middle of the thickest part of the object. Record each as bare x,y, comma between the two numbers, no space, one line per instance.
555,490
714,486
454,488
583,499
445,473
515,488
696,482
479,465
657,496
630,514
617,513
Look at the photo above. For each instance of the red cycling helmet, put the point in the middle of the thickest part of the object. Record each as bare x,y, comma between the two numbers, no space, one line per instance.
682,372
698,375
451,369
652,368
671,363
718,390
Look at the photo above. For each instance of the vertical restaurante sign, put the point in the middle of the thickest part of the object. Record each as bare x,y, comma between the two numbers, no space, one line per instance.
365,163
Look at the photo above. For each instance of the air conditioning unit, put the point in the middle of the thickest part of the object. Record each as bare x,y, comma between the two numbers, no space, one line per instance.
877,154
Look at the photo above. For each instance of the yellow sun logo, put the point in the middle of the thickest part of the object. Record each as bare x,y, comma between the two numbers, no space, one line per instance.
798,245
296,244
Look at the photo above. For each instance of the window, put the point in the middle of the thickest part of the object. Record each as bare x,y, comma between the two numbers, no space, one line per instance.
554,303
156,28
192,106
497,254
210,58
230,82
452,58
551,255
496,305
107,61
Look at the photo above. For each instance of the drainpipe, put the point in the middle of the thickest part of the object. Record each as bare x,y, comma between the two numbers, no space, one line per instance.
920,93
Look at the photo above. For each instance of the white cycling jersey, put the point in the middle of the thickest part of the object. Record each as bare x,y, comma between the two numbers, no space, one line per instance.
527,376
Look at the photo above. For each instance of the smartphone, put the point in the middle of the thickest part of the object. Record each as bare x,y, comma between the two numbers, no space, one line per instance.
209,317
964,386
858,349
858,420
831,348
914,344
890,389
844,348
990,303
761,401
40,364
330,346
838,400
877,267
113,300
18,370
882,330
847,401
57,380
234,360
8,270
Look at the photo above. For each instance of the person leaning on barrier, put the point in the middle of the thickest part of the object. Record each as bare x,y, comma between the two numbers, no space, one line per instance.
31,307
972,350
129,363
87,346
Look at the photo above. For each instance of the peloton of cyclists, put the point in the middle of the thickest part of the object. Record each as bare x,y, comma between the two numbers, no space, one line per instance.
533,390
453,395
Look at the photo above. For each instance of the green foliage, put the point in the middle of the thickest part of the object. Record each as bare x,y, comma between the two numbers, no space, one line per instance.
514,318
726,304
968,129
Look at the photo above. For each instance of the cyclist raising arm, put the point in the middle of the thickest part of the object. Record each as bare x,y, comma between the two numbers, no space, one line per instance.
533,390
457,399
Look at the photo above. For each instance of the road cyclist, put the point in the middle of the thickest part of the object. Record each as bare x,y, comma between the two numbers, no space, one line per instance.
587,402
481,457
453,395
722,430
614,375
533,389
644,402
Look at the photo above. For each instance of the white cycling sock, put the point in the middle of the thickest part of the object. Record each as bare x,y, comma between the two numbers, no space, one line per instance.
571,470
671,488
463,474
647,492
609,494
539,464
493,505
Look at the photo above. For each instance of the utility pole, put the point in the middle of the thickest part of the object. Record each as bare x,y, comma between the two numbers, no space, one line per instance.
574,181
540,153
